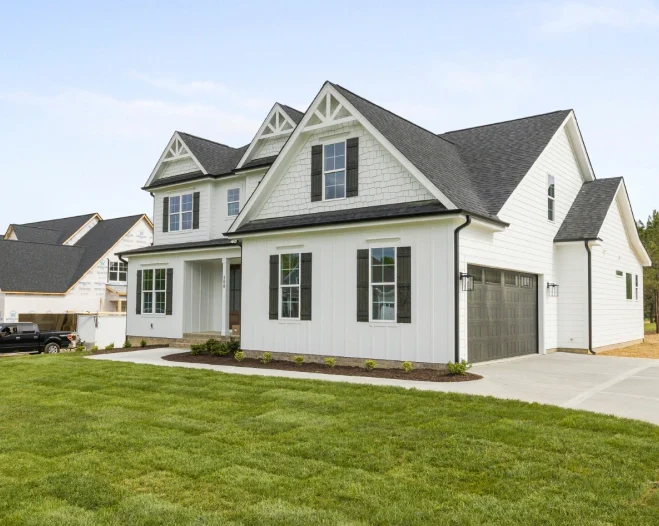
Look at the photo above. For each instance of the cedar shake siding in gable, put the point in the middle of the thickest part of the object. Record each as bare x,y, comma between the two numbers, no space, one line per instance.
382,179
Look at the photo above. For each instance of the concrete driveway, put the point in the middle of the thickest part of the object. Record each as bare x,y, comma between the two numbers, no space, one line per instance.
626,387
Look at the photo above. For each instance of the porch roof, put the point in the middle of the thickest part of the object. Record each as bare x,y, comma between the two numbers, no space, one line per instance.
211,243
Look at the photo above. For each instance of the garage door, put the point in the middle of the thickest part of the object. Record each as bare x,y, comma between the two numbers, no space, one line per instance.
502,314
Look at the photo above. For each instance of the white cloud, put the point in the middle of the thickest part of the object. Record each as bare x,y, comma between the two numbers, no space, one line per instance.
566,17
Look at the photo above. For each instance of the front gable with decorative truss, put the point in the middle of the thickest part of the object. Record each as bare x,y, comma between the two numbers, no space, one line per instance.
176,159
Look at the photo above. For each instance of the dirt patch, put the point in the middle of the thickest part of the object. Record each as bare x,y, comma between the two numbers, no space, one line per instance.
426,375
648,349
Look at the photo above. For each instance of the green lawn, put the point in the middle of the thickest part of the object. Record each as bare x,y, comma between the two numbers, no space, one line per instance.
650,327
94,443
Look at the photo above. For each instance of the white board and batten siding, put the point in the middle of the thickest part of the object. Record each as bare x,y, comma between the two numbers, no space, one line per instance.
615,318
527,245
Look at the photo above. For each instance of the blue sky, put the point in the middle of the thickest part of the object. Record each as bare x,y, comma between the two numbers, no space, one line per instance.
90,93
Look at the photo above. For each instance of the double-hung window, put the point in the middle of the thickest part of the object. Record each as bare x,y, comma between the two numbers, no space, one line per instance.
383,284
551,197
233,201
628,285
289,286
180,212
117,273
334,170
154,286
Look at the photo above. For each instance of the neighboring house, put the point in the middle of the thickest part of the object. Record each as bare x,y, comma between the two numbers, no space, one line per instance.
359,234
67,265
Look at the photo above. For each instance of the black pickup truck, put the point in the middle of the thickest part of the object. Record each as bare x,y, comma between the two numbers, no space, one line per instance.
26,337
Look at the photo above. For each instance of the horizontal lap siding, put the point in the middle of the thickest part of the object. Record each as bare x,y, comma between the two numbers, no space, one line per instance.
334,329
615,318
572,263
527,244
184,236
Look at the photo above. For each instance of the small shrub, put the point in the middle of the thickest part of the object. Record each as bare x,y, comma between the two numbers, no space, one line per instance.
94,348
109,346
216,348
80,347
239,356
197,349
369,365
127,344
330,362
458,368
407,366
299,360
266,358
142,343
233,346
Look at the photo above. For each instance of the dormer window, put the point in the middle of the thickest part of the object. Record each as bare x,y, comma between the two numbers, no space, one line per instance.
334,171
551,198
180,212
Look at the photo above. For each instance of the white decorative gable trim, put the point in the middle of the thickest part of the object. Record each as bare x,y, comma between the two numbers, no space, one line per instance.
277,124
329,108
176,150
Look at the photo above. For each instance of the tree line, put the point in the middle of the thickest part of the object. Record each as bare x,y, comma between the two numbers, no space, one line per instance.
649,234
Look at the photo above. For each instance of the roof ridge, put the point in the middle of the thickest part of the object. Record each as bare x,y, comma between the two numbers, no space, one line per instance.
503,122
207,140
289,107
123,217
41,243
35,227
57,219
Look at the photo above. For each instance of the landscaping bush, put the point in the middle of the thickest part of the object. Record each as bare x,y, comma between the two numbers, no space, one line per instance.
216,348
94,348
239,356
142,343
299,360
233,345
407,366
330,362
266,358
109,346
197,349
80,346
459,368
369,365
127,344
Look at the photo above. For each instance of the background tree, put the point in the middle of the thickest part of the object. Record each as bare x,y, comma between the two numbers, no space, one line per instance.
649,234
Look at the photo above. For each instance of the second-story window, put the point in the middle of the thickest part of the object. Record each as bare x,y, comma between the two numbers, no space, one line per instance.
551,197
117,272
334,170
180,212
233,201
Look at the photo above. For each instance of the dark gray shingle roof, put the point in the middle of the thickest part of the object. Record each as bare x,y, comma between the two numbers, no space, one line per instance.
41,267
216,158
44,231
293,113
588,211
179,246
261,161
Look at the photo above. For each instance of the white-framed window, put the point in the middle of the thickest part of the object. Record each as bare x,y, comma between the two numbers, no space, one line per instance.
334,170
383,284
180,212
551,197
154,288
118,272
233,201
636,287
628,285
289,286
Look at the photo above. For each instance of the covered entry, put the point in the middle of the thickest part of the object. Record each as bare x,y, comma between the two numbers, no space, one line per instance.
502,314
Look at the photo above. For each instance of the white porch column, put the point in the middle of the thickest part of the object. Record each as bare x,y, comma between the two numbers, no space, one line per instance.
226,330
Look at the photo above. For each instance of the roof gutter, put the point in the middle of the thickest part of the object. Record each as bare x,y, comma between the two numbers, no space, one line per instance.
590,296
456,294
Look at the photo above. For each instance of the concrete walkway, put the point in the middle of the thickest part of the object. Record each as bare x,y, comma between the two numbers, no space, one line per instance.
626,387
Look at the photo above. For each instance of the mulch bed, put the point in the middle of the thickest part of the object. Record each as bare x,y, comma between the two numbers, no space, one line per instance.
426,375
128,349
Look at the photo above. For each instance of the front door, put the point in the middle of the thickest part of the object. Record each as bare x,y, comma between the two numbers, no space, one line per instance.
235,280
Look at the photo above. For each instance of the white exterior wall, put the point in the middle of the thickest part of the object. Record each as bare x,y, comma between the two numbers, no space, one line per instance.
269,147
333,329
184,236
572,271
220,220
527,245
615,318
382,179
111,329
89,294
178,167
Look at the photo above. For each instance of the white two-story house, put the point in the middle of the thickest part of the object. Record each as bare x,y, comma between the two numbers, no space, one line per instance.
349,231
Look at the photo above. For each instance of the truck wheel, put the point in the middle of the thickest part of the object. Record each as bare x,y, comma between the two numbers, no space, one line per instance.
51,348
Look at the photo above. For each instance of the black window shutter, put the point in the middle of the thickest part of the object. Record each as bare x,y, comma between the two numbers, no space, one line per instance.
404,284
195,210
317,172
352,167
362,285
168,292
138,295
274,287
305,287
165,214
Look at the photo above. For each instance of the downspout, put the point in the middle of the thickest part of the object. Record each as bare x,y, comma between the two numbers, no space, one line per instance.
590,296
456,294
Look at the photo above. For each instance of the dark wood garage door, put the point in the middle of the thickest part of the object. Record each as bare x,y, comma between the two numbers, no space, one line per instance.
502,314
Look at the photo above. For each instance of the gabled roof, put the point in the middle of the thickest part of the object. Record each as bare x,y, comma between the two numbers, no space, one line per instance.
216,158
588,212
292,113
49,268
54,231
